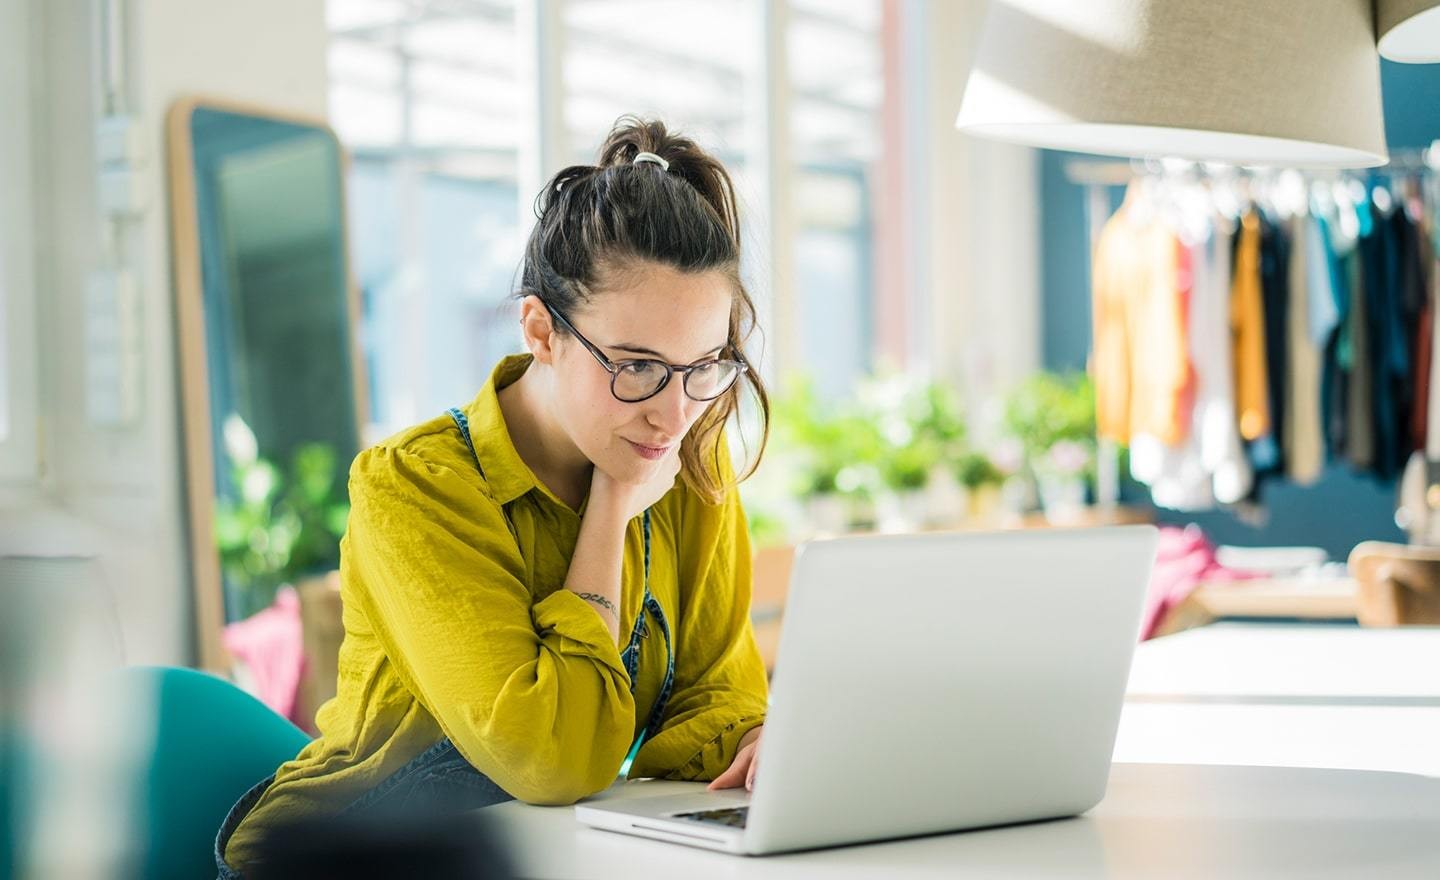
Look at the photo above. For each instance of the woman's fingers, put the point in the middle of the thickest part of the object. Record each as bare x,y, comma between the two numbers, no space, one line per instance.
737,773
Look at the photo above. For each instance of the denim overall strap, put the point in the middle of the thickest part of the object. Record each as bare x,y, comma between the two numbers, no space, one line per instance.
631,655
463,424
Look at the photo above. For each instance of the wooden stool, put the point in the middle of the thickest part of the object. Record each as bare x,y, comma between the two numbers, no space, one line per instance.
1399,584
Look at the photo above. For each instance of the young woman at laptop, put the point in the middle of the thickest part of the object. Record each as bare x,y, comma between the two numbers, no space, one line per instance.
530,594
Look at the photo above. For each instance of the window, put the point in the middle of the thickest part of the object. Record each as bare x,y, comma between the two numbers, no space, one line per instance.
432,99
638,56
426,96
836,92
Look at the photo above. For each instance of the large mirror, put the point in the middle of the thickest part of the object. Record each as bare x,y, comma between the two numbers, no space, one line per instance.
271,384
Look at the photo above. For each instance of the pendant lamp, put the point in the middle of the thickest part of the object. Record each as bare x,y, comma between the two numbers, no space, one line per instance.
1409,30
1293,83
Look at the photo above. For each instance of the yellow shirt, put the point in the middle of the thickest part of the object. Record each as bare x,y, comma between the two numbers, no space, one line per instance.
457,624
1140,352
1247,329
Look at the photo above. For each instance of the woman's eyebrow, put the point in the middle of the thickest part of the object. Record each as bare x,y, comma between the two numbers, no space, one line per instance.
652,352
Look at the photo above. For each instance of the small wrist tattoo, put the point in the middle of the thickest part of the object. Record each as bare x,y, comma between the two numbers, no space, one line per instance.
602,602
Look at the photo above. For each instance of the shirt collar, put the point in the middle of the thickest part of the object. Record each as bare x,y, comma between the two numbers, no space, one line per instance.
507,474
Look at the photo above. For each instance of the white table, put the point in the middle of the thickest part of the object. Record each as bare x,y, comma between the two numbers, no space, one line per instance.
1335,663
1270,698
1290,696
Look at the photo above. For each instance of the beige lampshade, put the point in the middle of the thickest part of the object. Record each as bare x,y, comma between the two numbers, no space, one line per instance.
1267,83
1409,30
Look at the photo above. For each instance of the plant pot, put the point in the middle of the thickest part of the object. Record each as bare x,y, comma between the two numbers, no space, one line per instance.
946,501
902,511
983,503
1017,496
828,514
864,514
1063,499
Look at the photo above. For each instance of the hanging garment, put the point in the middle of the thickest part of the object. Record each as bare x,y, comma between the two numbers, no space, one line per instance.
1221,453
1424,320
1265,450
1355,349
1423,366
1425,347
1425,355
1139,357
1431,385
1337,234
1176,473
1304,443
1381,261
1398,312
1247,328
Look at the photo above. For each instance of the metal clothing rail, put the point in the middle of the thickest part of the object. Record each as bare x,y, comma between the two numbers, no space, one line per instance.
1118,172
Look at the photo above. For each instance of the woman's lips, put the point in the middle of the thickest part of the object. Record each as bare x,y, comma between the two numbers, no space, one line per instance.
648,452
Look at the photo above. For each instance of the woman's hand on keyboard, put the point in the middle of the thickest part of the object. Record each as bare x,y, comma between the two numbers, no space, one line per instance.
742,769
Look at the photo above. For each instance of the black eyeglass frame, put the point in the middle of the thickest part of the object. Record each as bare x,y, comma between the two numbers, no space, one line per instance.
614,367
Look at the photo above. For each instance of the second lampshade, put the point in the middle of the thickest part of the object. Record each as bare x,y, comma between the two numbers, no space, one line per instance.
1409,30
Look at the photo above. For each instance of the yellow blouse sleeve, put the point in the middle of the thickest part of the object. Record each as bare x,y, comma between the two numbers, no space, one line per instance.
533,694
720,685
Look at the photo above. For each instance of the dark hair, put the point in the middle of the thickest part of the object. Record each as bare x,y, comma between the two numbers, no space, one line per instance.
597,222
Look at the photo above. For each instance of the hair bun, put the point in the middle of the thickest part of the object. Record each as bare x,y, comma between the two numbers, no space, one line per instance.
631,136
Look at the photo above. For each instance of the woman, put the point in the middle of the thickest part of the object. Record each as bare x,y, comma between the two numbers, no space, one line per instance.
530,595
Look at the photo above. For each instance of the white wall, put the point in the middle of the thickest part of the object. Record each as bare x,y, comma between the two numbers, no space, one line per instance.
122,485
19,457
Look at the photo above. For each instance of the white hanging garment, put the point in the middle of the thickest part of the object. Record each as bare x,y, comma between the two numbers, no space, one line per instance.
1221,452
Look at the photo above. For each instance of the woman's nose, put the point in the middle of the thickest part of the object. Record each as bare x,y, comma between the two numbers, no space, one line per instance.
670,410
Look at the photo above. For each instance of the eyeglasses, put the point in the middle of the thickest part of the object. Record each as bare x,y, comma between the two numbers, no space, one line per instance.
632,381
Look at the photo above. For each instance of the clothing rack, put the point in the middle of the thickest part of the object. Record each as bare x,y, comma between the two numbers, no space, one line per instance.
1099,175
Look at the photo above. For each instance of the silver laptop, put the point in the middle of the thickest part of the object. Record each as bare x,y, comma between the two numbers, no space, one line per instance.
926,684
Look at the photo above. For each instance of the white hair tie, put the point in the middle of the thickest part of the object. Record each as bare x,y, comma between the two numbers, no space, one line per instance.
650,157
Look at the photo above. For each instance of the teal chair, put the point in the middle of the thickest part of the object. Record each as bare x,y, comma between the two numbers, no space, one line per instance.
212,742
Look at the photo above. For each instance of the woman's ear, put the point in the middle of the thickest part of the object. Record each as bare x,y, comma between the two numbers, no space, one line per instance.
537,329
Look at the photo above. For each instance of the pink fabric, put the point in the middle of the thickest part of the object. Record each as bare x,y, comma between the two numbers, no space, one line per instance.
1184,558
269,643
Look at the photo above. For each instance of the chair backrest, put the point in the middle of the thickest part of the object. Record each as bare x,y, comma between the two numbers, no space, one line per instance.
1399,584
211,743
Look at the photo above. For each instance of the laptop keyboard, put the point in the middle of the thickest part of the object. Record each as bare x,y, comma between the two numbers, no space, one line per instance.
731,816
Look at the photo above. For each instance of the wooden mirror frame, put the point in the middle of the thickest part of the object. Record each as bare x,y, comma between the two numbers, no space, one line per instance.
193,366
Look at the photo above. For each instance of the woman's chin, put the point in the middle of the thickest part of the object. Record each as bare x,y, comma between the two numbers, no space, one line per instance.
624,466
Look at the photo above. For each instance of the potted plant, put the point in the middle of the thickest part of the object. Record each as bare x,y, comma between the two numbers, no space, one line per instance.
1053,418
831,453
920,430
981,479
1061,475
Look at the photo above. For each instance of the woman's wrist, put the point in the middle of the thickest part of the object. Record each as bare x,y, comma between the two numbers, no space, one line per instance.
604,508
603,603
597,563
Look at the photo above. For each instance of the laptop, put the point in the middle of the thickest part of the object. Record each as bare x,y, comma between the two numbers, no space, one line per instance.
927,684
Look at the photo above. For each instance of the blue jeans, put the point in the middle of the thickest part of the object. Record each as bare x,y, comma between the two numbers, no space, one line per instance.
438,780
